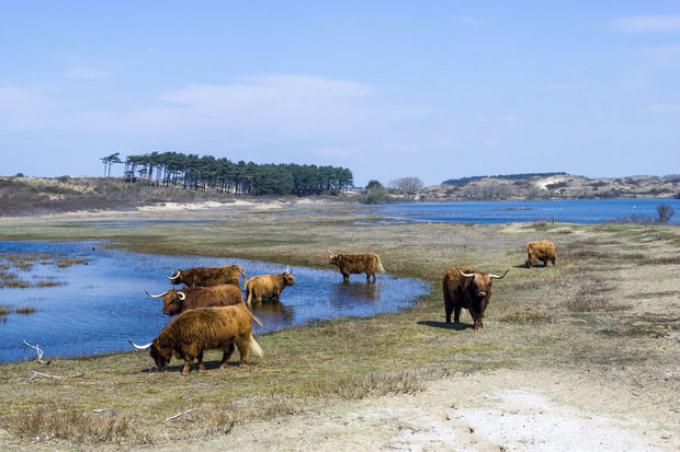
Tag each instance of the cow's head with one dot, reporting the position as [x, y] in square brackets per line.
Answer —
[176, 278]
[288, 278]
[333, 258]
[172, 301]
[160, 355]
[478, 287]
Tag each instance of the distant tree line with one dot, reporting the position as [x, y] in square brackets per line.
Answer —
[205, 173]
[467, 180]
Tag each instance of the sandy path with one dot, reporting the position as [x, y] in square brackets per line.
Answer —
[505, 410]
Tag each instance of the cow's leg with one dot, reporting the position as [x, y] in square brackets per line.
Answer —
[368, 277]
[456, 313]
[552, 259]
[345, 276]
[199, 358]
[227, 354]
[448, 308]
[187, 366]
[530, 261]
[243, 344]
[545, 262]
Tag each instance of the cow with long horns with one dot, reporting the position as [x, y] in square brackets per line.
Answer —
[268, 286]
[348, 264]
[193, 332]
[209, 276]
[469, 289]
[177, 301]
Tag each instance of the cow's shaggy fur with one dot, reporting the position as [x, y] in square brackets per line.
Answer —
[210, 276]
[267, 286]
[201, 297]
[191, 333]
[543, 251]
[470, 292]
[348, 264]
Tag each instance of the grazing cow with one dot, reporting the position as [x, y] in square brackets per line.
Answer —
[209, 276]
[543, 251]
[268, 286]
[468, 289]
[193, 332]
[177, 301]
[348, 264]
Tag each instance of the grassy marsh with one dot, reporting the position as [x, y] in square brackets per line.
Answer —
[576, 315]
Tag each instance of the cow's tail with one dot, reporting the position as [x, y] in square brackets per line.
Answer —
[255, 347]
[243, 274]
[379, 267]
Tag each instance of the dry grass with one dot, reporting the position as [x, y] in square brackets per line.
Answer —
[50, 422]
[374, 385]
[4, 310]
[12, 281]
[68, 262]
[526, 317]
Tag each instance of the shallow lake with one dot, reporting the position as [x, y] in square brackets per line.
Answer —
[103, 304]
[586, 211]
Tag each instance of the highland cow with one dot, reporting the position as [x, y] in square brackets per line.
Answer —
[209, 276]
[268, 286]
[469, 289]
[177, 301]
[357, 263]
[193, 332]
[543, 251]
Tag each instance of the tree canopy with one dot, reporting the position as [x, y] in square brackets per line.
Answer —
[190, 171]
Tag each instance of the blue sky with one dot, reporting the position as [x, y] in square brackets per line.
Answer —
[389, 89]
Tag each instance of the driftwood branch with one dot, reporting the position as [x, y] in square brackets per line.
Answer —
[39, 353]
[42, 374]
[180, 414]
[37, 374]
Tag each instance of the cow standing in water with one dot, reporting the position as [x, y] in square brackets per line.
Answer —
[209, 276]
[349, 264]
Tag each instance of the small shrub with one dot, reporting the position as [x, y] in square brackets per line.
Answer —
[49, 283]
[376, 385]
[664, 213]
[4, 310]
[26, 310]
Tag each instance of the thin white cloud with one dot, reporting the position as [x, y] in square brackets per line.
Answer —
[85, 73]
[665, 108]
[648, 23]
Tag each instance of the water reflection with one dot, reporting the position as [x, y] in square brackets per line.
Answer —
[351, 291]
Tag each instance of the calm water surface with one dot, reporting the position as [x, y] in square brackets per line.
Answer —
[103, 304]
[586, 211]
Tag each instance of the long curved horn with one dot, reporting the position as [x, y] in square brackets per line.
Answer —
[156, 295]
[499, 277]
[329, 251]
[287, 269]
[175, 275]
[140, 347]
[181, 296]
[467, 275]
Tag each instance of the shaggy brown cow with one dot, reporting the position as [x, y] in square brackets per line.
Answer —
[468, 289]
[356, 263]
[543, 251]
[268, 286]
[193, 332]
[209, 276]
[176, 301]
